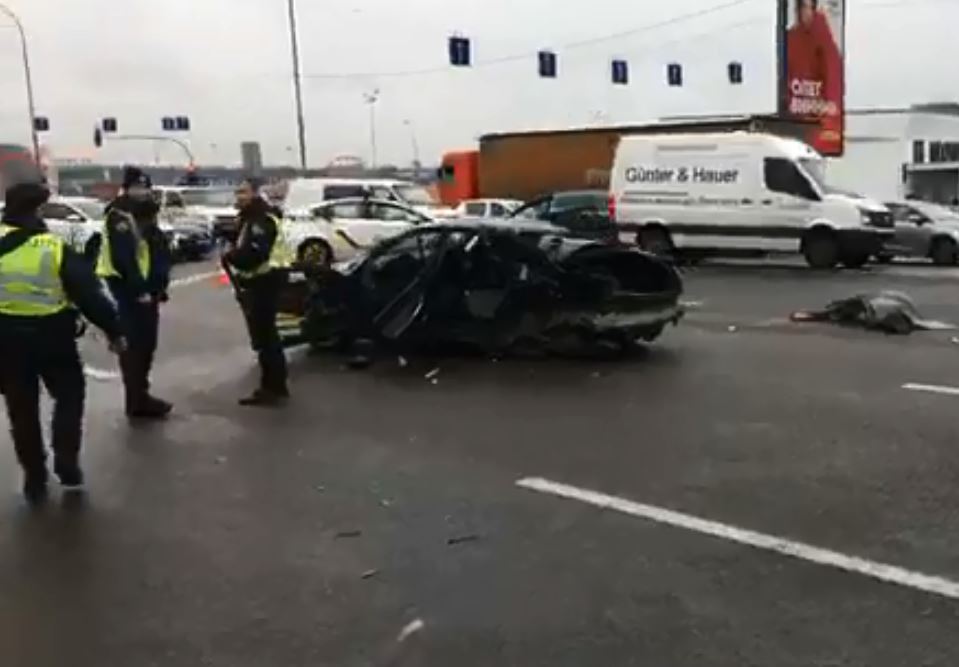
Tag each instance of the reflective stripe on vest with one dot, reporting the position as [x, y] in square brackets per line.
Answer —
[30, 277]
[281, 256]
[105, 268]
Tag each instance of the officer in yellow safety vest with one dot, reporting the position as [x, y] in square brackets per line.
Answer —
[259, 264]
[43, 285]
[135, 263]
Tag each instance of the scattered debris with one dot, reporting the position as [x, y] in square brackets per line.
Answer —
[955, 341]
[432, 374]
[462, 540]
[349, 533]
[410, 629]
[732, 328]
[220, 460]
[369, 574]
[403, 363]
[320, 488]
[888, 312]
[385, 503]
[434, 381]
[596, 374]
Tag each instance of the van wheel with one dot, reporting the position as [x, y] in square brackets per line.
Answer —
[656, 240]
[315, 254]
[944, 252]
[821, 249]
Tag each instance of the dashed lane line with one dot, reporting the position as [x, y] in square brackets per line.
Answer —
[932, 388]
[880, 571]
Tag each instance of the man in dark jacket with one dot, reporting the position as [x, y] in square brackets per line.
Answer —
[258, 265]
[135, 262]
[43, 283]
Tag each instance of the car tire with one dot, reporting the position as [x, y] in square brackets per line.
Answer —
[884, 258]
[944, 252]
[820, 247]
[656, 241]
[315, 253]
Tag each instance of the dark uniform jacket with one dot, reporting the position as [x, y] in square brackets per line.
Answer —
[82, 288]
[131, 285]
[257, 234]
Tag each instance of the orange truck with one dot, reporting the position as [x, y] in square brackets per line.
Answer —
[525, 165]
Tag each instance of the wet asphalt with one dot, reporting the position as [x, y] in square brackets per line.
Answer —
[380, 500]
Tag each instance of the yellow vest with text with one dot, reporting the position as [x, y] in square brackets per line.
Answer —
[30, 283]
[105, 268]
[281, 257]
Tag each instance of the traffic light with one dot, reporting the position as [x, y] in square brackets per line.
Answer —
[547, 64]
[109, 125]
[459, 51]
[735, 70]
[182, 124]
[41, 124]
[168, 123]
[97, 137]
[674, 74]
[620, 72]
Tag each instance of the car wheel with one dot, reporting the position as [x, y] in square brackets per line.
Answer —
[884, 258]
[821, 249]
[315, 253]
[944, 252]
[656, 240]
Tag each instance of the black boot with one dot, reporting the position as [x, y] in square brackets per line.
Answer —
[148, 408]
[35, 487]
[265, 398]
[71, 476]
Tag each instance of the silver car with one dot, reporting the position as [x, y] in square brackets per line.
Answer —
[924, 230]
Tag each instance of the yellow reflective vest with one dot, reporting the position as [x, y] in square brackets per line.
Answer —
[105, 268]
[30, 283]
[281, 257]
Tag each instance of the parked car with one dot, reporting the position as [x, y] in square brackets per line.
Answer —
[490, 285]
[923, 230]
[583, 213]
[77, 220]
[337, 230]
[740, 193]
[214, 206]
[305, 193]
[487, 208]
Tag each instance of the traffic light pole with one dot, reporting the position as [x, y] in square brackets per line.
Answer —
[297, 84]
[29, 81]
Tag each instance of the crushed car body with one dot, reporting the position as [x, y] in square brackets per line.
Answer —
[492, 286]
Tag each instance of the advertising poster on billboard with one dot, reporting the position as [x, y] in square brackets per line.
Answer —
[812, 68]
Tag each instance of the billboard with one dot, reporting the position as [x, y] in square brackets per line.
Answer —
[812, 69]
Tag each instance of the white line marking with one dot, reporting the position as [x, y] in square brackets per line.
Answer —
[195, 278]
[887, 573]
[100, 374]
[932, 388]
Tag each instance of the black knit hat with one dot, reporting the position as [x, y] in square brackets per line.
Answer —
[135, 176]
[25, 198]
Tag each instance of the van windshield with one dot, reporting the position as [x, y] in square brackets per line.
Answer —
[816, 170]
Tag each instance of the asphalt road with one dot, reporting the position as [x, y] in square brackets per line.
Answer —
[380, 501]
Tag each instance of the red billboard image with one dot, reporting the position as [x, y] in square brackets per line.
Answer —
[812, 70]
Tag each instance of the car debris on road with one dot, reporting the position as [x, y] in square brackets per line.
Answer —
[887, 311]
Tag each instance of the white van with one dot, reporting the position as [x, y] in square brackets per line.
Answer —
[304, 194]
[738, 193]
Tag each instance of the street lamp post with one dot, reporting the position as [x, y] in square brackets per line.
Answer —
[416, 147]
[29, 80]
[297, 83]
[371, 99]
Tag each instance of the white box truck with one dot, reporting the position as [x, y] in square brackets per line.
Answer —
[739, 193]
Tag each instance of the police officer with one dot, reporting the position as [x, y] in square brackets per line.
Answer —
[135, 262]
[258, 264]
[43, 283]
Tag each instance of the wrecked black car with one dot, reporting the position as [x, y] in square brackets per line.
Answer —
[491, 286]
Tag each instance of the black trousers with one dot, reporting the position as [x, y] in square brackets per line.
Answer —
[259, 300]
[141, 324]
[23, 366]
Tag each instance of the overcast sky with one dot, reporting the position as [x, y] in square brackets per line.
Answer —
[227, 65]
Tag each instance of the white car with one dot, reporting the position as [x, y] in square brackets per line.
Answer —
[305, 193]
[340, 229]
[487, 208]
[74, 219]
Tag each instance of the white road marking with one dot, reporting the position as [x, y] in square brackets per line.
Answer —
[195, 278]
[932, 388]
[100, 374]
[887, 573]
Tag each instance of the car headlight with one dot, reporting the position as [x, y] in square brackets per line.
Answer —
[864, 216]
